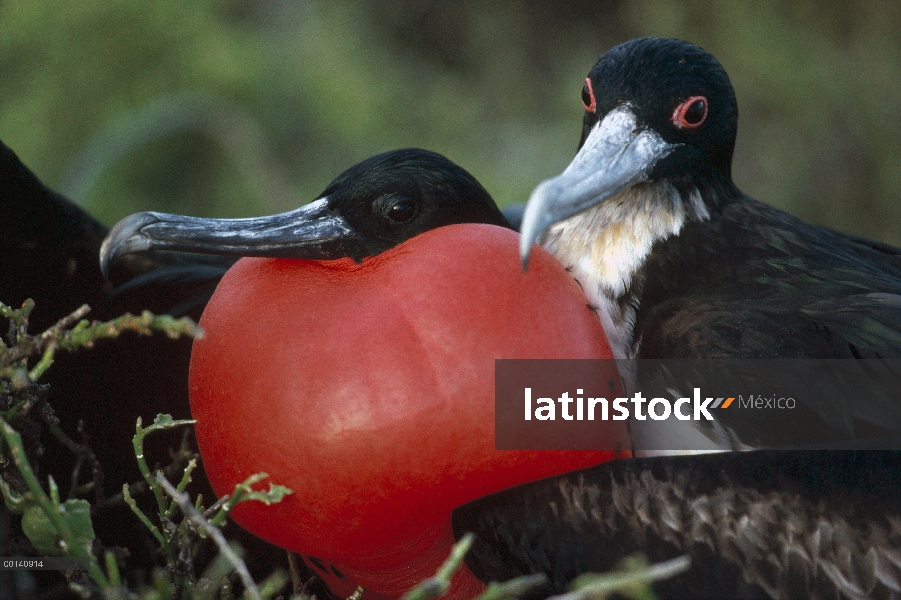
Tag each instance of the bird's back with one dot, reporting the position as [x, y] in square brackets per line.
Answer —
[756, 282]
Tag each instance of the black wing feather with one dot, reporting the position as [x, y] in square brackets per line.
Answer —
[803, 524]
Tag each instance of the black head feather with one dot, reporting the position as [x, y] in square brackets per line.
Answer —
[654, 76]
[394, 196]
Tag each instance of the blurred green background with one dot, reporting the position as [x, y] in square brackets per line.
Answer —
[246, 107]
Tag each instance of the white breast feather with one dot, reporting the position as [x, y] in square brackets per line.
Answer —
[604, 246]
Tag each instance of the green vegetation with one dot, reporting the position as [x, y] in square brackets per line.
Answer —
[242, 107]
[56, 528]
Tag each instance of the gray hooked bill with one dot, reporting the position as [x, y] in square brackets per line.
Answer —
[617, 154]
[314, 232]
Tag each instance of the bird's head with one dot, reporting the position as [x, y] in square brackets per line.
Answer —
[655, 109]
[369, 208]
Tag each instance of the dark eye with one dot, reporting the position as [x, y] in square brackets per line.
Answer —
[588, 100]
[399, 209]
[691, 113]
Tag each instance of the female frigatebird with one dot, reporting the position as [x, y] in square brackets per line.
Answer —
[680, 263]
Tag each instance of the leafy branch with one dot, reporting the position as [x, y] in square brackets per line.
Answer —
[55, 529]
[13, 359]
[65, 529]
[201, 526]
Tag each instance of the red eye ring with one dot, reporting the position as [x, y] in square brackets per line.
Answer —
[588, 100]
[691, 113]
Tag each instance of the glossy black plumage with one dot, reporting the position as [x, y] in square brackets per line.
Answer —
[734, 278]
[434, 191]
[47, 246]
[679, 264]
[755, 282]
[49, 253]
[812, 524]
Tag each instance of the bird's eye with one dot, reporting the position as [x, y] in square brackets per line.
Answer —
[399, 209]
[691, 113]
[588, 100]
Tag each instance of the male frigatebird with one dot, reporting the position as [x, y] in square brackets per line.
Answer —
[50, 254]
[304, 366]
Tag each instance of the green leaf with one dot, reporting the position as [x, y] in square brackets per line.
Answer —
[42, 533]
[163, 421]
[274, 494]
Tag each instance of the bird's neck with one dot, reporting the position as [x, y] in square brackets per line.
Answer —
[605, 247]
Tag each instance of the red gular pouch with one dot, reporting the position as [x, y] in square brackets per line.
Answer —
[368, 389]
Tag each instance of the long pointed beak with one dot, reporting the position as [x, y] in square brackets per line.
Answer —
[313, 231]
[616, 155]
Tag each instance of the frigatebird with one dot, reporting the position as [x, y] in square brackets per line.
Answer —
[679, 264]
[49, 253]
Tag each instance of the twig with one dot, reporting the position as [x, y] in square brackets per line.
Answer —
[82, 450]
[138, 488]
[143, 518]
[161, 422]
[33, 345]
[244, 491]
[439, 584]
[187, 509]
[515, 588]
[82, 335]
[592, 586]
[185, 480]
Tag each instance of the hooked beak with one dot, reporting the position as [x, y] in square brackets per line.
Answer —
[615, 156]
[313, 231]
